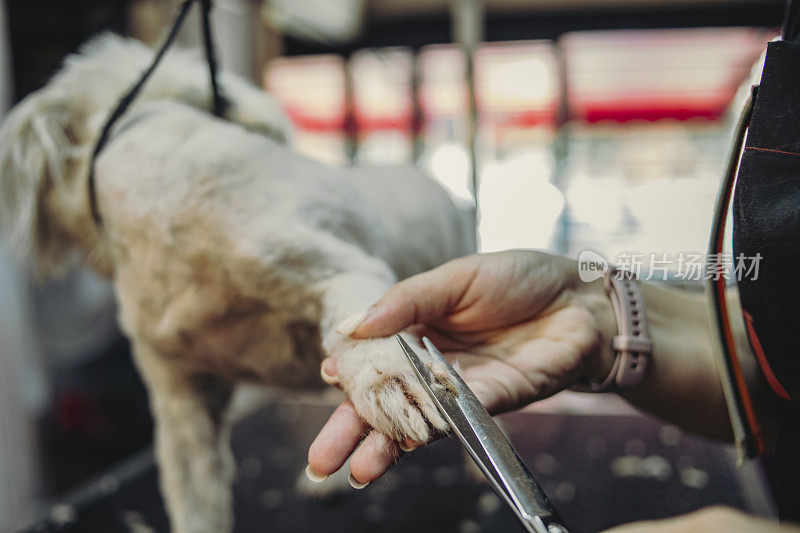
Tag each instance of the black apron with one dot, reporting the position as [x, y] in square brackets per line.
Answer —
[766, 221]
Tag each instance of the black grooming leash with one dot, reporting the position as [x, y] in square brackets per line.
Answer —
[218, 104]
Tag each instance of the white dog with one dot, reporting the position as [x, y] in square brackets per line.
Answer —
[233, 257]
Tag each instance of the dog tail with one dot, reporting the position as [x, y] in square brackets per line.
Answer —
[34, 149]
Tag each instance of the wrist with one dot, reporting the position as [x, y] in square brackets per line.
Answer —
[682, 384]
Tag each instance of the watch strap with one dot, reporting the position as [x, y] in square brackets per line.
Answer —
[632, 344]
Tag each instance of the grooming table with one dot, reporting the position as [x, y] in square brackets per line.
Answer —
[598, 471]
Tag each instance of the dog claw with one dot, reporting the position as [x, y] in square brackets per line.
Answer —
[403, 444]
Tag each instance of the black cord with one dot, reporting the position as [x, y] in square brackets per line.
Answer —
[218, 106]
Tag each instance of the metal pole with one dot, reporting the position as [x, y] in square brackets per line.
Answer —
[561, 146]
[467, 19]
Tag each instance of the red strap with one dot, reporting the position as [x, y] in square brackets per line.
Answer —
[774, 384]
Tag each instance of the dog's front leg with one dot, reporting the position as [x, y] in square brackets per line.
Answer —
[192, 448]
[374, 372]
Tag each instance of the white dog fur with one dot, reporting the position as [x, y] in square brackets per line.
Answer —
[233, 257]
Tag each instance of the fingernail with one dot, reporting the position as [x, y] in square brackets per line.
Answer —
[406, 447]
[355, 483]
[330, 379]
[349, 324]
[313, 476]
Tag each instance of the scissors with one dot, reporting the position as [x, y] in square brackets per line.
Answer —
[487, 444]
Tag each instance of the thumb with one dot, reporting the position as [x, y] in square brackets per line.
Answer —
[418, 299]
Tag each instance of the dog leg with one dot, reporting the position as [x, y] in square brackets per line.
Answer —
[192, 434]
[374, 372]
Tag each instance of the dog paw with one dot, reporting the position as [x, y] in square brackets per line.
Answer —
[386, 391]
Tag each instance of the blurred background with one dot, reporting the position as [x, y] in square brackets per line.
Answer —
[572, 125]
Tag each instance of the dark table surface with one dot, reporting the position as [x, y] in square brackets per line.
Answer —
[599, 471]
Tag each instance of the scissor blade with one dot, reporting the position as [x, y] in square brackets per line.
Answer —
[450, 410]
[423, 372]
[438, 357]
[486, 444]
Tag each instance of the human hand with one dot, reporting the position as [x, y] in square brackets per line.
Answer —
[520, 325]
